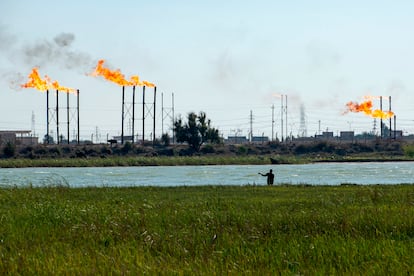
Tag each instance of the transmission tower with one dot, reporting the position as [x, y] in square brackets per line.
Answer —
[33, 124]
[167, 113]
[374, 127]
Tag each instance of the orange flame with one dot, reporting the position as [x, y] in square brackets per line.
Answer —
[366, 108]
[58, 87]
[148, 84]
[117, 77]
[135, 81]
[36, 82]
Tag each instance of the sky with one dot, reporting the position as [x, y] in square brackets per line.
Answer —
[230, 59]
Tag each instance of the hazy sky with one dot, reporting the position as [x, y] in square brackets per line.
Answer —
[225, 58]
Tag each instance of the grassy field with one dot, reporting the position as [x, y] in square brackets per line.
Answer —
[287, 230]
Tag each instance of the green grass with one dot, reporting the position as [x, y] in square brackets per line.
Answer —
[118, 161]
[135, 161]
[285, 230]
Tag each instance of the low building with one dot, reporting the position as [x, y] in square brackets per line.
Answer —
[347, 135]
[236, 140]
[396, 134]
[328, 135]
[18, 137]
[118, 139]
[260, 139]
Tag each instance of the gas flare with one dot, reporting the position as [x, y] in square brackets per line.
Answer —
[117, 77]
[366, 107]
[148, 84]
[57, 86]
[36, 82]
[112, 75]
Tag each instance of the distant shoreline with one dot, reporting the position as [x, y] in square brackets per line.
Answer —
[183, 161]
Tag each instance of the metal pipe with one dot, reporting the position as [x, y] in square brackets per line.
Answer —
[162, 113]
[57, 115]
[381, 126]
[133, 113]
[67, 112]
[47, 116]
[395, 127]
[143, 114]
[389, 99]
[153, 129]
[123, 103]
[78, 114]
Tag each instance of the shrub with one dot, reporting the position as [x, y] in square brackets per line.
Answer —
[409, 150]
[127, 148]
[9, 150]
[80, 154]
[242, 150]
[66, 150]
[208, 149]
[41, 151]
[26, 150]
[301, 149]
[106, 150]
[55, 151]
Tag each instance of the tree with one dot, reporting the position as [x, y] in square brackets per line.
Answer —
[165, 139]
[9, 150]
[48, 141]
[196, 131]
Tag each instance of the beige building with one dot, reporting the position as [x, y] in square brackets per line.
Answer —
[18, 137]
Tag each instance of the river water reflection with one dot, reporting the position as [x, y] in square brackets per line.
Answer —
[315, 174]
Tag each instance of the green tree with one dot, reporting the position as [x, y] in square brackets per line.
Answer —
[196, 131]
[9, 150]
[45, 139]
[165, 139]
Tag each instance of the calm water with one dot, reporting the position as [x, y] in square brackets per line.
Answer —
[316, 174]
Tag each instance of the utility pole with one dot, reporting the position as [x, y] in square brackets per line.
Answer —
[382, 127]
[251, 126]
[273, 121]
[33, 124]
[286, 116]
[389, 98]
[283, 111]
[281, 117]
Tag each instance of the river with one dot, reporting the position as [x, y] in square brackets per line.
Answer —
[315, 174]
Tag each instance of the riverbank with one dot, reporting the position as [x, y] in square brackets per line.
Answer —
[104, 155]
[122, 161]
[134, 161]
[208, 230]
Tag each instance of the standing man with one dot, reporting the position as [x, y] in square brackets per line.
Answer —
[270, 177]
